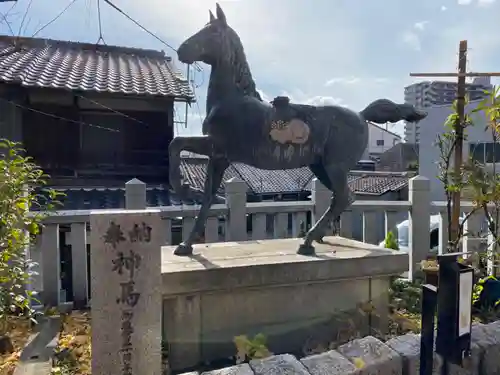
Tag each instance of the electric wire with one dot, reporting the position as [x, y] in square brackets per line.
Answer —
[99, 20]
[24, 17]
[58, 117]
[143, 28]
[112, 110]
[54, 19]
[4, 17]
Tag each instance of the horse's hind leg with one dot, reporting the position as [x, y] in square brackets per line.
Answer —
[215, 172]
[335, 179]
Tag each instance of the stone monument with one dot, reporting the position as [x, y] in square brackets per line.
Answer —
[125, 291]
[241, 127]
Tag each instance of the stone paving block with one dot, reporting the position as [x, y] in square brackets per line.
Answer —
[243, 369]
[328, 363]
[376, 357]
[471, 364]
[283, 364]
[490, 363]
[408, 347]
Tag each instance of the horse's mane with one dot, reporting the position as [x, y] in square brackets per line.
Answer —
[242, 74]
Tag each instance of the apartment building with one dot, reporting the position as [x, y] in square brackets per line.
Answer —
[437, 93]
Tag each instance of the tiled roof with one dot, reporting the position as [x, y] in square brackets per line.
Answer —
[95, 198]
[377, 185]
[66, 65]
[258, 182]
[261, 181]
[194, 171]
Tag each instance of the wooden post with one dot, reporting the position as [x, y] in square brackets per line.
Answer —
[458, 126]
[459, 146]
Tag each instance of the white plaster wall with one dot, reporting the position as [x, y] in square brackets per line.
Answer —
[433, 125]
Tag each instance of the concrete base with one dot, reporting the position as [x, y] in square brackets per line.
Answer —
[234, 288]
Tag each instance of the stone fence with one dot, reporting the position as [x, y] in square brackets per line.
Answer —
[66, 232]
[370, 356]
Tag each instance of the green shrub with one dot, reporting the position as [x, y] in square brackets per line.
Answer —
[248, 349]
[390, 241]
[20, 179]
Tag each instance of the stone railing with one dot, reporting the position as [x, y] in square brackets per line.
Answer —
[397, 356]
[66, 232]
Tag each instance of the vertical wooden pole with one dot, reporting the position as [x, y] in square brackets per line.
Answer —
[186, 110]
[459, 131]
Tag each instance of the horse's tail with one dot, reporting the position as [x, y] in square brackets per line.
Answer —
[383, 110]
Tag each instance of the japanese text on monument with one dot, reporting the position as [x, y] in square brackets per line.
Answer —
[126, 264]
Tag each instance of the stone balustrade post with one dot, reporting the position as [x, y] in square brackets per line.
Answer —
[320, 196]
[236, 199]
[135, 195]
[419, 222]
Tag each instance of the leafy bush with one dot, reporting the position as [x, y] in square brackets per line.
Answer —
[248, 349]
[20, 180]
[390, 241]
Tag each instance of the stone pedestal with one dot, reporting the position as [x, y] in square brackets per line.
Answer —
[298, 302]
[125, 293]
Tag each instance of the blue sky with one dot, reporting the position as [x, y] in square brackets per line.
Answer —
[349, 52]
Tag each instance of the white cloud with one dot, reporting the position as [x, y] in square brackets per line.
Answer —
[264, 96]
[485, 2]
[482, 3]
[443, 8]
[354, 80]
[342, 81]
[420, 25]
[325, 100]
[413, 40]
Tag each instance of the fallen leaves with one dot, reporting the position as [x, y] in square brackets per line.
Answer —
[19, 333]
[74, 346]
[358, 362]
[402, 322]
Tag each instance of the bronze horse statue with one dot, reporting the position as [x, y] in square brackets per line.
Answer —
[241, 127]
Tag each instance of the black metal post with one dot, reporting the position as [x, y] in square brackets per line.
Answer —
[447, 309]
[429, 304]
[454, 294]
[444, 366]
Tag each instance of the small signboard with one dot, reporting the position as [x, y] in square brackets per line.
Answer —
[466, 281]
[454, 309]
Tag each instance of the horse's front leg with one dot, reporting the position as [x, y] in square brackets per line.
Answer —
[198, 145]
[215, 172]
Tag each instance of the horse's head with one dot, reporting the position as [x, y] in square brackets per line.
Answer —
[211, 44]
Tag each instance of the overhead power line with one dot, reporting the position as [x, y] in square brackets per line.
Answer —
[99, 20]
[137, 23]
[24, 17]
[55, 18]
[57, 117]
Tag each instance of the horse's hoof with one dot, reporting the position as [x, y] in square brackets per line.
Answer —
[305, 249]
[183, 250]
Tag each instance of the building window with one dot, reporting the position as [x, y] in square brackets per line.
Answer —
[380, 142]
[485, 152]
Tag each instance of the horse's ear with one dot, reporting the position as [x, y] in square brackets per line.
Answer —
[220, 13]
[212, 17]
